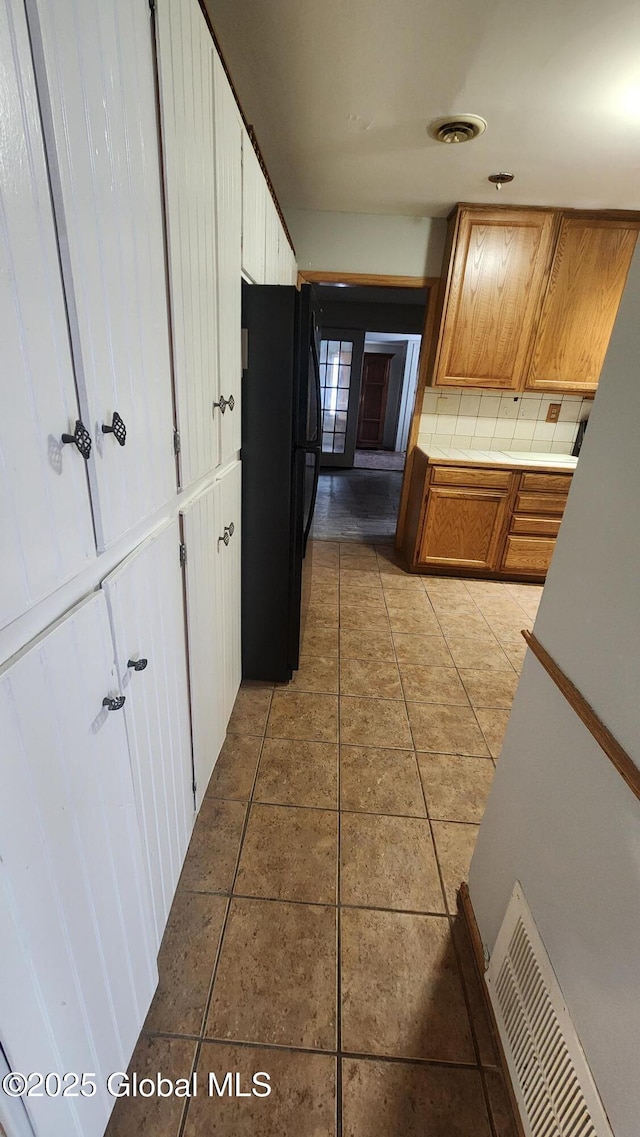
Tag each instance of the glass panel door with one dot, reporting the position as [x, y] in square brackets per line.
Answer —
[340, 376]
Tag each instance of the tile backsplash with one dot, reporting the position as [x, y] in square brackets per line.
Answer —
[493, 420]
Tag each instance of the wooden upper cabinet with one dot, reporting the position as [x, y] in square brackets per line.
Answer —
[588, 273]
[496, 279]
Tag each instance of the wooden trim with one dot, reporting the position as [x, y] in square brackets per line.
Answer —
[625, 765]
[248, 127]
[373, 280]
[426, 348]
[466, 908]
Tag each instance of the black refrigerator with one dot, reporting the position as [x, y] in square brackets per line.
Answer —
[281, 441]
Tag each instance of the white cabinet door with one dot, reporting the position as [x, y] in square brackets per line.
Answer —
[94, 66]
[228, 159]
[78, 960]
[272, 243]
[200, 532]
[254, 212]
[146, 607]
[230, 509]
[185, 67]
[45, 514]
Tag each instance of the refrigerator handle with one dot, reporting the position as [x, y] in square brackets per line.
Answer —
[315, 451]
[316, 369]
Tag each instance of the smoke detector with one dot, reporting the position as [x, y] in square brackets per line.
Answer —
[458, 128]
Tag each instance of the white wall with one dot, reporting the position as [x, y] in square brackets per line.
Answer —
[367, 242]
[560, 818]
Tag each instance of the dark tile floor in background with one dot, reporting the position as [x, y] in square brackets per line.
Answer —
[357, 504]
[315, 934]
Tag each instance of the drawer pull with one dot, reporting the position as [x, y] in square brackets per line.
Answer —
[117, 429]
[114, 703]
[81, 439]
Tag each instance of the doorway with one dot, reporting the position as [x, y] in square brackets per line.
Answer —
[369, 352]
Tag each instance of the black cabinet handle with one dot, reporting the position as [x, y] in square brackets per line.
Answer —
[80, 438]
[117, 428]
[224, 403]
[114, 704]
[229, 530]
[137, 664]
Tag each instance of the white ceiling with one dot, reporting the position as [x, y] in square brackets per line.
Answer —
[340, 93]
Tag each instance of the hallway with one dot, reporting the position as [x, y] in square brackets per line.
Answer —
[357, 504]
[315, 934]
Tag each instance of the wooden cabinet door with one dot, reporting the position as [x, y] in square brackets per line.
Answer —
[588, 275]
[499, 263]
[78, 946]
[146, 608]
[228, 167]
[97, 90]
[463, 528]
[200, 519]
[185, 68]
[45, 512]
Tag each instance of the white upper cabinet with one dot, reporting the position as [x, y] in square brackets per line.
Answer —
[186, 75]
[254, 212]
[78, 960]
[272, 244]
[96, 85]
[146, 607]
[228, 164]
[45, 513]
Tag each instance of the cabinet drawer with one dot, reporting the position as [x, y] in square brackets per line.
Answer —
[548, 503]
[471, 476]
[546, 483]
[535, 526]
[528, 554]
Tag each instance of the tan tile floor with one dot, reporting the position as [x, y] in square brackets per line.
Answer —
[315, 933]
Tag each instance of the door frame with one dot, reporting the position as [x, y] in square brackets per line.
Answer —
[435, 295]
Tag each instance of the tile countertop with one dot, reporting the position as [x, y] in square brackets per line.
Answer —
[508, 459]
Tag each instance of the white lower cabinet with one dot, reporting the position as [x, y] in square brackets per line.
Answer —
[78, 942]
[145, 601]
[211, 536]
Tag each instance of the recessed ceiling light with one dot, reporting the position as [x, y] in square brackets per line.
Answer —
[457, 128]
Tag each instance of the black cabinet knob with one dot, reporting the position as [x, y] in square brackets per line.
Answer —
[231, 402]
[114, 704]
[137, 664]
[222, 404]
[80, 438]
[229, 530]
[117, 428]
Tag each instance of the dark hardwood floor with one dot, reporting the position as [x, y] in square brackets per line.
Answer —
[357, 504]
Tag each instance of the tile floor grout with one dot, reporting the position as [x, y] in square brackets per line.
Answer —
[450, 598]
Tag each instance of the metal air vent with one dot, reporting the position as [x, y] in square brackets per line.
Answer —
[462, 128]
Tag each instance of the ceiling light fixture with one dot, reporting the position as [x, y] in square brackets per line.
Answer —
[457, 128]
[500, 180]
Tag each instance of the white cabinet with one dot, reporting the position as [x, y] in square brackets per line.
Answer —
[45, 514]
[146, 607]
[272, 244]
[211, 536]
[230, 511]
[254, 213]
[94, 66]
[78, 960]
[186, 76]
[228, 164]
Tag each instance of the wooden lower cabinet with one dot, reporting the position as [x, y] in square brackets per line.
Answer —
[464, 527]
[482, 520]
